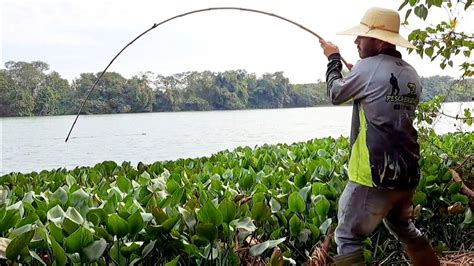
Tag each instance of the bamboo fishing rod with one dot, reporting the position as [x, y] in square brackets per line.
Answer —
[182, 15]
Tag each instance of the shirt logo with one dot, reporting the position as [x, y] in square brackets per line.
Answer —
[404, 101]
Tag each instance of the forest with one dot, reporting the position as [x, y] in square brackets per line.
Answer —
[32, 89]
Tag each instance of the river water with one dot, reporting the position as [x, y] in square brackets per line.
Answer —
[37, 143]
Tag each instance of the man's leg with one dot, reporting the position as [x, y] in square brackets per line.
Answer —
[361, 209]
[399, 223]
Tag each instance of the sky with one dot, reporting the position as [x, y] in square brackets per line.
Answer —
[76, 37]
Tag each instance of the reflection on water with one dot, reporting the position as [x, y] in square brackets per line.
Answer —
[36, 143]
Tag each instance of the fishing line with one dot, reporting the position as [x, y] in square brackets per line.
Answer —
[182, 15]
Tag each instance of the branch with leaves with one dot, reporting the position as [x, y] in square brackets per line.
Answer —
[443, 40]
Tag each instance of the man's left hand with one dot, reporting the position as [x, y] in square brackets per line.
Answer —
[328, 48]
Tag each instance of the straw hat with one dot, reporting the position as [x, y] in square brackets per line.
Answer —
[382, 24]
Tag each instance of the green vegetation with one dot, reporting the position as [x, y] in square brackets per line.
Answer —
[231, 207]
[28, 89]
[443, 39]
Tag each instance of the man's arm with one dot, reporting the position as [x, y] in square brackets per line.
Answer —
[339, 89]
[333, 72]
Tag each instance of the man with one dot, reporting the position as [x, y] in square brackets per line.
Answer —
[383, 166]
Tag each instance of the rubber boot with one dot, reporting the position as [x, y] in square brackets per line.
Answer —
[350, 259]
[421, 253]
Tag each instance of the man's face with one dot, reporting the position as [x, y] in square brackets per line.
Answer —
[367, 46]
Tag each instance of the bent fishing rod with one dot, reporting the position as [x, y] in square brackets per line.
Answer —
[182, 15]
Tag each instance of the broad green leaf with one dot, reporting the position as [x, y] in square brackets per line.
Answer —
[28, 220]
[245, 224]
[296, 203]
[322, 206]
[170, 223]
[258, 196]
[123, 183]
[207, 231]
[172, 186]
[460, 198]
[56, 214]
[60, 194]
[247, 181]
[228, 210]
[429, 51]
[258, 249]
[159, 214]
[70, 180]
[135, 223]
[176, 197]
[314, 231]
[20, 230]
[56, 232]
[300, 181]
[97, 216]
[18, 243]
[102, 233]
[260, 212]
[77, 240]
[78, 197]
[74, 215]
[116, 225]
[59, 255]
[95, 250]
[454, 188]
[296, 226]
[209, 214]
[19, 207]
[420, 198]
[69, 226]
[10, 219]
[275, 206]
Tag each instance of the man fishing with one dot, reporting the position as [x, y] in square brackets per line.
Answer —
[383, 165]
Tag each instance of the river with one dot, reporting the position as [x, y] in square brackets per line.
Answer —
[37, 143]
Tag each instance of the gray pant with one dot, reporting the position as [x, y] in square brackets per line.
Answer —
[362, 208]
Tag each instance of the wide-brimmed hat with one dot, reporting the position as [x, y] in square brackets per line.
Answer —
[382, 24]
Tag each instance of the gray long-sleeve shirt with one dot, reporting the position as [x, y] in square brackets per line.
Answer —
[385, 90]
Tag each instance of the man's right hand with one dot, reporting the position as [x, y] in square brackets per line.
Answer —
[328, 48]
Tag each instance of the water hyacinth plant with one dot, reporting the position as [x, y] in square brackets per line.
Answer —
[231, 208]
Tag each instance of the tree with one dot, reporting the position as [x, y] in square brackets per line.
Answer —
[27, 79]
[435, 85]
[53, 96]
[443, 40]
[107, 97]
[271, 91]
[7, 99]
[138, 94]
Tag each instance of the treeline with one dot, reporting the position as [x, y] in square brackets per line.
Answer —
[28, 89]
